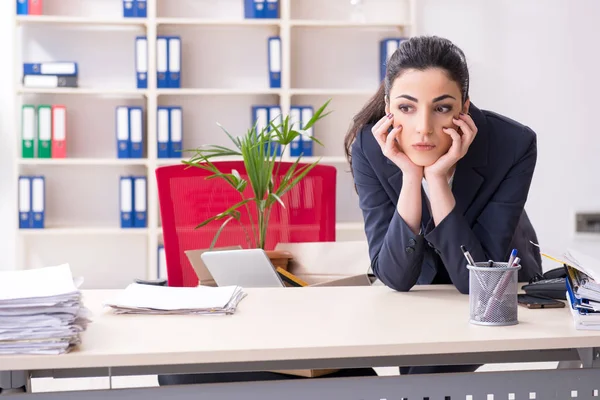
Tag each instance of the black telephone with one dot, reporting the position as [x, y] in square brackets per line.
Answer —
[551, 284]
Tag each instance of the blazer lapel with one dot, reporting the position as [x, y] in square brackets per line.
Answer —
[467, 180]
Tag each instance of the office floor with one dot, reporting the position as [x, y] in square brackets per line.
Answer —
[52, 385]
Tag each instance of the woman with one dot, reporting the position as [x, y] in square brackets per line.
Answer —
[433, 172]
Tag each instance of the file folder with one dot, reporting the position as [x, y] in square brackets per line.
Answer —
[49, 81]
[272, 9]
[163, 128]
[25, 217]
[126, 201]
[175, 132]
[162, 58]
[66, 68]
[27, 131]
[22, 7]
[387, 47]
[35, 7]
[128, 9]
[307, 143]
[38, 194]
[141, 61]
[161, 271]
[174, 68]
[122, 127]
[59, 131]
[140, 8]
[254, 8]
[275, 62]
[136, 132]
[296, 123]
[140, 202]
[44, 145]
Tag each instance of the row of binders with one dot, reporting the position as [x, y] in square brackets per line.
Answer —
[133, 202]
[168, 62]
[44, 131]
[135, 9]
[299, 117]
[130, 131]
[30, 7]
[261, 9]
[32, 203]
[50, 74]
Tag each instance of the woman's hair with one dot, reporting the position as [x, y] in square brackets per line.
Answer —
[420, 53]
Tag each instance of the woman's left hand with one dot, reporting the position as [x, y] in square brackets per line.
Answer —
[458, 149]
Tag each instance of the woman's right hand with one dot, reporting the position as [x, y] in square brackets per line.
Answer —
[390, 147]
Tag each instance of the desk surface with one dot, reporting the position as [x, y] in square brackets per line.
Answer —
[308, 323]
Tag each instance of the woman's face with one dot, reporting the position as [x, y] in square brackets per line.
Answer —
[424, 102]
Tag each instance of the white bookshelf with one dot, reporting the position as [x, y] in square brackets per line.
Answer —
[326, 54]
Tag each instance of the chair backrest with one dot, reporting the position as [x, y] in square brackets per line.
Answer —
[187, 198]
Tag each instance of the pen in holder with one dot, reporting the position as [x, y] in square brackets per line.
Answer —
[493, 293]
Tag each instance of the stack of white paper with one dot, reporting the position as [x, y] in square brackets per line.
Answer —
[149, 299]
[41, 311]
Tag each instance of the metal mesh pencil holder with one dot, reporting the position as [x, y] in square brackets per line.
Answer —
[493, 293]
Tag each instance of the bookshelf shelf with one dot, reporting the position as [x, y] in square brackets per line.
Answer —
[83, 91]
[75, 231]
[217, 22]
[84, 21]
[82, 161]
[224, 72]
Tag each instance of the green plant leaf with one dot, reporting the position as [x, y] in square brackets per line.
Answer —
[272, 198]
[231, 211]
[317, 115]
[214, 241]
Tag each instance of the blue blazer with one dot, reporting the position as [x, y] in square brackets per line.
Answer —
[490, 186]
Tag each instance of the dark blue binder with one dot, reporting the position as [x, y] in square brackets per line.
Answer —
[38, 201]
[136, 132]
[122, 129]
[22, 7]
[128, 9]
[59, 68]
[140, 8]
[25, 213]
[163, 131]
[126, 201]
[174, 65]
[141, 61]
[162, 62]
[272, 9]
[140, 202]
[175, 132]
[274, 61]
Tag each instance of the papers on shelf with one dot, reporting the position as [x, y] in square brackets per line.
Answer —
[41, 311]
[149, 299]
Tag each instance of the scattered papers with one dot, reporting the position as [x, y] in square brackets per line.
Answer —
[149, 299]
[41, 311]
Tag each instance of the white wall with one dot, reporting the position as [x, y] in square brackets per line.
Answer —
[537, 62]
[534, 61]
[8, 222]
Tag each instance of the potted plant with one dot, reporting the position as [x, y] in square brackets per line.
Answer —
[257, 150]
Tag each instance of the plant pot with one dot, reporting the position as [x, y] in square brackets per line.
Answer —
[279, 258]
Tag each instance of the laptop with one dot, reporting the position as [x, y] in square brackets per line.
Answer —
[248, 268]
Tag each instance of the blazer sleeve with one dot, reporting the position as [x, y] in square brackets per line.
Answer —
[396, 253]
[491, 235]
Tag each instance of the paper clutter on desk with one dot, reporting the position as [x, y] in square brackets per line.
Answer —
[148, 299]
[41, 311]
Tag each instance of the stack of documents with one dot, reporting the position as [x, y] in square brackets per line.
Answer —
[583, 289]
[150, 299]
[41, 311]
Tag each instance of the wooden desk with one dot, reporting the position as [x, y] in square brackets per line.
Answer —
[319, 327]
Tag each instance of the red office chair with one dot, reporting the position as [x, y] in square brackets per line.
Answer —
[187, 198]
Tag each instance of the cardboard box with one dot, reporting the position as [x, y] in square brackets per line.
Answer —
[317, 263]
